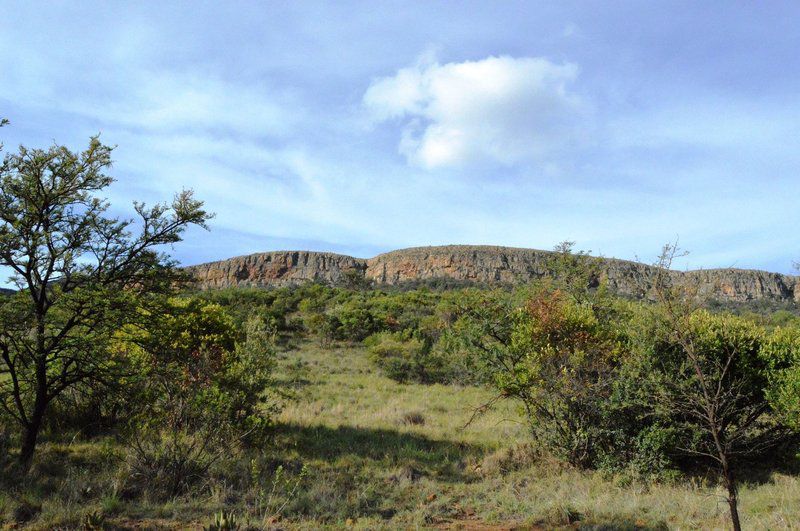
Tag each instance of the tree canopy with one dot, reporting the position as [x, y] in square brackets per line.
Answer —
[81, 274]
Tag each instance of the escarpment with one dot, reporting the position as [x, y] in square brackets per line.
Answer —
[278, 268]
[480, 264]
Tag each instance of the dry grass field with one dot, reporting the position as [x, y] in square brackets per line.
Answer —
[358, 450]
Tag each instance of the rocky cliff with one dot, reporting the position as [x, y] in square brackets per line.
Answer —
[481, 264]
[279, 268]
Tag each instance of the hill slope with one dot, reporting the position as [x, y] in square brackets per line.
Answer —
[481, 264]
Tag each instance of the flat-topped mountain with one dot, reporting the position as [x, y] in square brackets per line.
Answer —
[479, 264]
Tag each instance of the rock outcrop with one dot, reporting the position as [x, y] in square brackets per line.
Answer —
[279, 268]
[480, 264]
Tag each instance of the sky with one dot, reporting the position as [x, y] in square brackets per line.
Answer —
[362, 127]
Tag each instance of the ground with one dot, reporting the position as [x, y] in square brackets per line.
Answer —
[358, 450]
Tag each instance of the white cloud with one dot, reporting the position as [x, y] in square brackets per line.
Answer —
[502, 109]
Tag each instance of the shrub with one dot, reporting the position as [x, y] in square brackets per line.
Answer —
[181, 431]
[355, 321]
[559, 357]
[199, 397]
[709, 380]
[323, 326]
[563, 362]
[781, 352]
[719, 363]
[404, 357]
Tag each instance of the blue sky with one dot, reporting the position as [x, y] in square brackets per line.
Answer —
[361, 127]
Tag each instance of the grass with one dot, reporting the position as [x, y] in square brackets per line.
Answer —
[358, 450]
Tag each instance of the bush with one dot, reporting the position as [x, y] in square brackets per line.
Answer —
[183, 429]
[355, 321]
[781, 352]
[323, 326]
[200, 396]
[399, 355]
[714, 362]
[558, 356]
[408, 356]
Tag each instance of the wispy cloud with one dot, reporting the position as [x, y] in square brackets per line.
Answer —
[323, 127]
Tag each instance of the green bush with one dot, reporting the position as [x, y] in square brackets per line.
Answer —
[355, 321]
[781, 352]
[402, 357]
[323, 326]
[198, 397]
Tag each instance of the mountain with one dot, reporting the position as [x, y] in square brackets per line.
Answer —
[480, 264]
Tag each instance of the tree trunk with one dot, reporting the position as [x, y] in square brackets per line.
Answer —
[34, 424]
[29, 439]
[733, 501]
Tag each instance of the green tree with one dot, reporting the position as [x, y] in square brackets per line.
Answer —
[557, 352]
[712, 377]
[81, 275]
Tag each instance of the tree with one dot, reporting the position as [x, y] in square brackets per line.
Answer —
[81, 275]
[711, 380]
[557, 354]
[575, 272]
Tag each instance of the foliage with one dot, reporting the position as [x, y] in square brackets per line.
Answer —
[558, 358]
[80, 274]
[556, 348]
[710, 382]
[404, 358]
[781, 353]
[200, 394]
[725, 377]
[575, 272]
[224, 521]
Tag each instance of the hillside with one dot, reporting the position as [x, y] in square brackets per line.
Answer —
[480, 264]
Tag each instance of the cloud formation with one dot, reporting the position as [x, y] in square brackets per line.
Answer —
[500, 109]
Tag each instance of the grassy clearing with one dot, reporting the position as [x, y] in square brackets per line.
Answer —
[359, 450]
[484, 473]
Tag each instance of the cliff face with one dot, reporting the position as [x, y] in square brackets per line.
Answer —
[280, 268]
[484, 264]
[471, 263]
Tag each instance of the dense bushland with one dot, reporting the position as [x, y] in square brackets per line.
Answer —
[649, 389]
